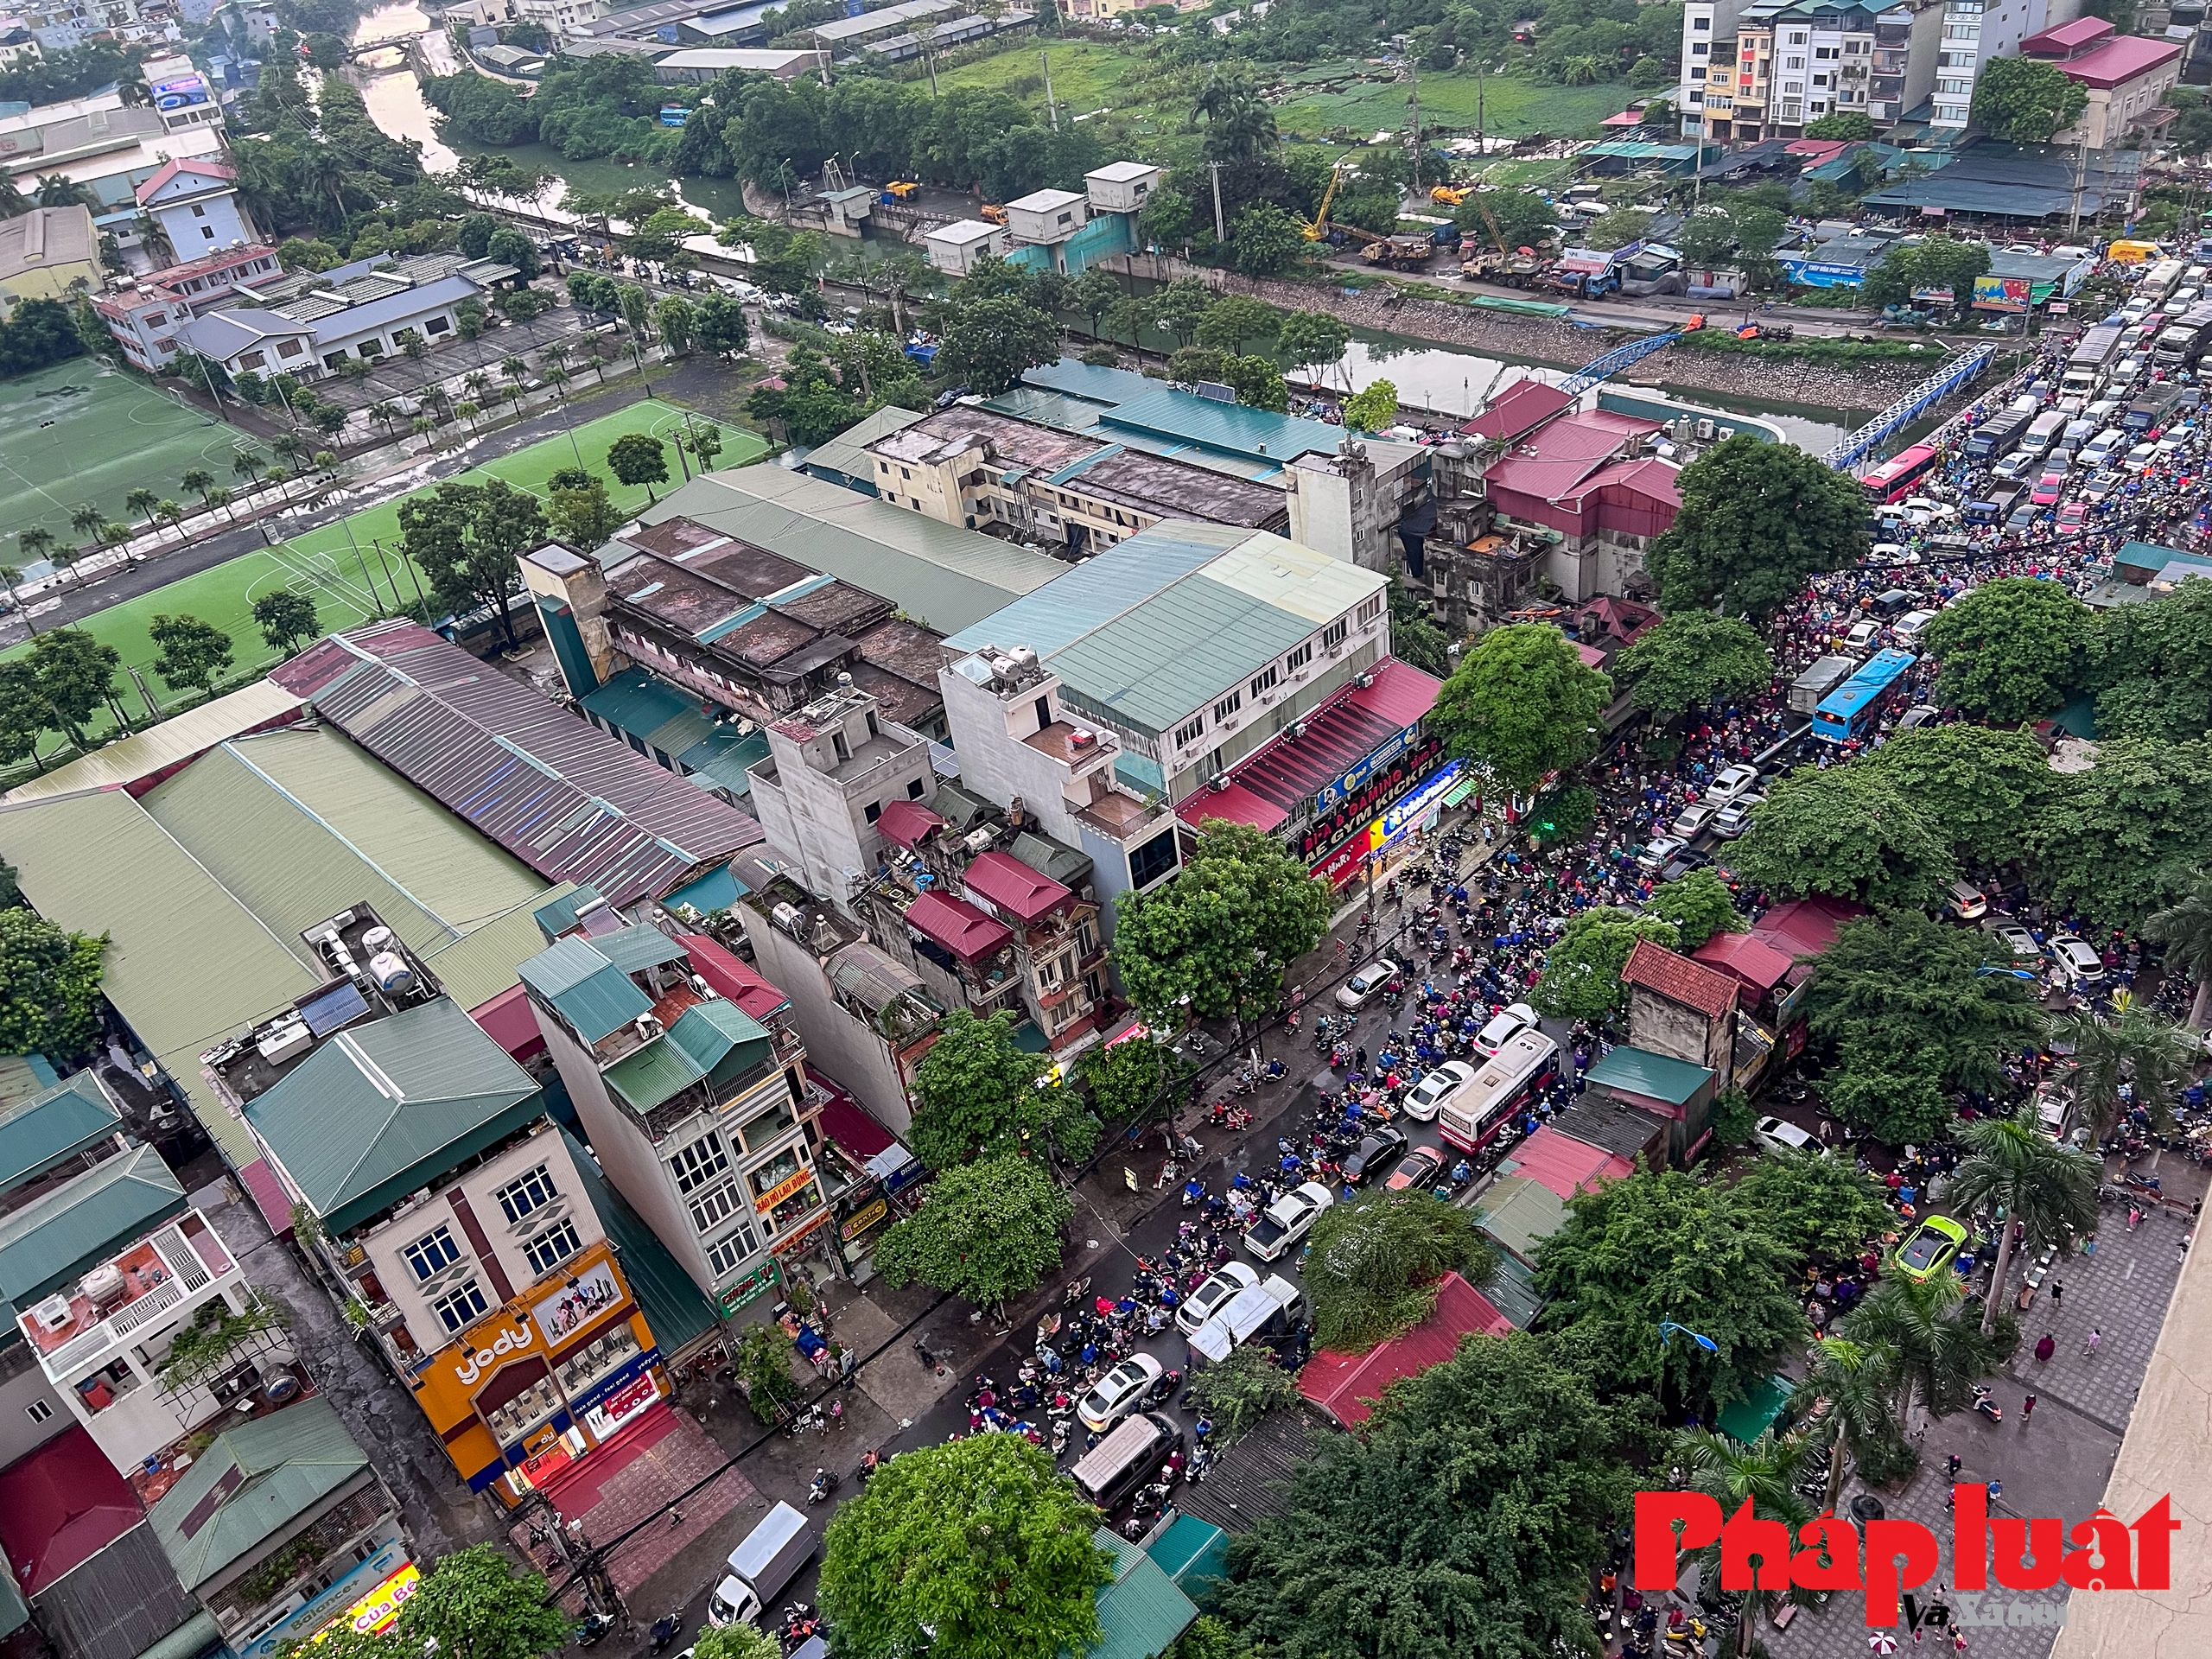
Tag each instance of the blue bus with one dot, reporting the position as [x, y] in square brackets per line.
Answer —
[1854, 707]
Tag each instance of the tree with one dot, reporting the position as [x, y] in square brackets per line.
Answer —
[1659, 1246]
[1616, 227]
[1216, 940]
[1849, 126]
[1180, 307]
[2135, 1046]
[142, 500]
[1938, 264]
[1311, 339]
[1940, 1348]
[1694, 657]
[1582, 972]
[1243, 1388]
[510, 247]
[1901, 1002]
[1522, 705]
[1976, 788]
[1094, 294]
[2117, 842]
[1414, 638]
[49, 985]
[736, 1642]
[1122, 1079]
[1848, 833]
[2184, 927]
[1757, 520]
[986, 1231]
[720, 325]
[677, 319]
[582, 515]
[1700, 906]
[24, 714]
[975, 1549]
[1257, 382]
[1523, 220]
[465, 538]
[1236, 318]
[1374, 409]
[989, 344]
[1265, 241]
[975, 1092]
[2011, 650]
[2020, 1175]
[474, 1605]
[76, 675]
[1482, 1499]
[1818, 1208]
[1847, 1401]
[286, 618]
[1374, 1265]
[194, 654]
[1763, 1474]
[639, 458]
[762, 1362]
[2026, 101]
[2151, 666]
[200, 480]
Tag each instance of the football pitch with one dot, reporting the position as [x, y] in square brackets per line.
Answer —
[354, 569]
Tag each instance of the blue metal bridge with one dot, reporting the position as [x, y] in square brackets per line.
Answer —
[1955, 373]
[1613, 362]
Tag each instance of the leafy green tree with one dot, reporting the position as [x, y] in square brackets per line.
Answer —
[1694, 657]
[1180, 307]
[1257, 382]
[1815, 1206]
[2019, 1174]
[1373, 408]
[1232, 320]
[474, 1605]
[24, 714]
[2151, 666]
[1618, 227]
[2184, 927]
[1582, 972]
[977, 1549]
[1847, 832]
[1217, 938]
[2026, 101]
[1414, 638]
[1523, 705]
[285, 619]
[1094, 294]
[1758, 521]
[1523, 220]
[194, 654]
[2011, 650]
[991, 342]
[1901, 1002]
[582, 515]
[49, 986]
[1311, 339]
[720, 324]
[975, 1093]
[1123, 1079]
[1265, 241]
[638, 458]
[1849, 126]
[736, 1642]
[465, 538]
[1700, 906]
[1481, 1499]
[2135, 1044]
[2116, 842]
[1243, 1388]
[762, 1362]
[1940, 1348]
[1763, 1474]
[1854, 1386]
[1659, 1246]
[1976, 788]
[76, 675]
[1375, 1265]
[1939, 262]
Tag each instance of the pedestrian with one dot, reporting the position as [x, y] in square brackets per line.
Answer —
[2027, 1408]
[2057, 1293]
[2046, 1346]
[2185, 1237]
[849, 1365]
[2096, 1341]
[1951, 1464]
[1996, 1490]
[1881, 1642]
[2134, 1216]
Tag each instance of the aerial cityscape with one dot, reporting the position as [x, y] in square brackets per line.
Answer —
[1239, 829]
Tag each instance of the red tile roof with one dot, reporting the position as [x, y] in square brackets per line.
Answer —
[1517, 409]
[910, 823]
[959, 926]
[1346, 1386]
[1003, 880]
[1568, 1166]
[61, 1506]
[1757, 963]
[1678, 979]
[731, 978]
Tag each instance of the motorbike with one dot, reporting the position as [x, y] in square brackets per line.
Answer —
[1986, 1405]
[1194, 1192]
[594, 1627]
[664, 1630]
[825, 1482]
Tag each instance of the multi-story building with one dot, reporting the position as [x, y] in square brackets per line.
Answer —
[699, 1113]
[98, 144]
[182, 95]
[440, 1200]
[195, 204]
[834, 767]
[1908, 48]
[2127, 78]
[144, 317]
[1975, 33]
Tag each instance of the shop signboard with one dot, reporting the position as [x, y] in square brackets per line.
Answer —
[746, 1290]
[782, 1190]
[622, 1406]
[2012, 294]
[583, 1297]
[377, 1612]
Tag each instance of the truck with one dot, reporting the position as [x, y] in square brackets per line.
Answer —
[1589, 273]
[1818, 680]
[2095, 353]
[2181, 341]
[760, 1567]
[1996, 435]
[1404, 252]
[1267, 1309]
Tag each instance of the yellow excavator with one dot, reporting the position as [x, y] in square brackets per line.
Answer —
[1446, 195]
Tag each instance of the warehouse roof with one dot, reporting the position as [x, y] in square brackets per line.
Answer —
[255, 1481]
[1183, 420]
[2021, 183]
[867, 22]
[382, 1108]
[138, 759]
[67, 1228]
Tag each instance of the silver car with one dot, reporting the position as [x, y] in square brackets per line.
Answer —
[1223, 1283]
[1732, 820]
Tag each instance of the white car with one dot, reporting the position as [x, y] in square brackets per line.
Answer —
[1861, 636]
[1658, 853]
[1732, 820]
[1119, 1392]
[1504, 1026]
[2140, 459]
[2017, 940]
[1919, 716]
[1780, 1134]
[1286, 1221]
[2078, 962]
[1438, 1086]
[1223, 1283]
[1910, 625]
[1352, 996]
[1691, 821]
[1733, 785]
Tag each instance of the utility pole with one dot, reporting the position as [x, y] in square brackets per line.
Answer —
[2081, 177]
[1481, 149]
[1220, 232]
[823, 56]
[1052, 104]
[1414, 69]
[925, 37]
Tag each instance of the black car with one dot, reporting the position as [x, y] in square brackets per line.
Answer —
[1376, 1150]
[1684, 861]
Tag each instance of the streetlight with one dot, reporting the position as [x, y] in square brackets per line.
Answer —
[1668, 1331]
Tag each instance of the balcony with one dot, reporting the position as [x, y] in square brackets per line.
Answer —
[130, 1300]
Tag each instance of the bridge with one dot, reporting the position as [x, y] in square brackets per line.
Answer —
[1955, 373]
[362, 48]
[1613, 362]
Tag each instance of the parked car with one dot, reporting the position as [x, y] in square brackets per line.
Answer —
[1965, 902]
[1354, 994]
[1504, 1026]
[1287, 1220]
[1415, 1171]
[2077, 959]
[1219, 1286]
[1120, 1392]
[1732, 820]
[2015, 939]
[1732, 784]
[2101, 486]
[1930, 1248]
[1375, 1149]
[1917, 716]
[1438, 1086]
[1780, 1134]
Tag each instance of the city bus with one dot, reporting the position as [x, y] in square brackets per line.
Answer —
[1894, 478]
[1510, 1079]
[1854, 707]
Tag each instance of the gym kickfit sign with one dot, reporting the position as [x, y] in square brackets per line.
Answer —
[1757, 1553]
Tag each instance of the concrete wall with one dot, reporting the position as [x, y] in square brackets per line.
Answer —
[842, 1044]
[23, 1387]
[1683, 1033]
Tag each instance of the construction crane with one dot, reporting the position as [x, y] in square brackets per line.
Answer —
[1318, 229]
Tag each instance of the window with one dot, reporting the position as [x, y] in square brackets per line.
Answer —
[1299, 659]
[430, 1255]
[914, 790]
[700, 1162]
[457, 1310]
[1265, 681]
[872, 811]
[1794, 63]
[284, 348]
[1701, 24]
[199, 211]
[207, 233]
[39, 1411]
[525, 1193]
[552, 1247]
[710, 1210]
[1187, 735]
[1956, 88]
[1333, 635]
[436, 325]
[1228, 706]
[1369, 610]
[726, 1256]
[1697, 48]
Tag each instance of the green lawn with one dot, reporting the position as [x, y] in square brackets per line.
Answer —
[326, 564]
[1509, 106]
[1088, 77]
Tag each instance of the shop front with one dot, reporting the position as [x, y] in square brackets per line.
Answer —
[366, 1599]
[545, 1381]
[1369, 844]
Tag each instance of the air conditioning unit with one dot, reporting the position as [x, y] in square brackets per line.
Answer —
[52, 1313]
[1705, 430]
[980, 841]
[648, 1027]
[1219, 780]
[1363, 681]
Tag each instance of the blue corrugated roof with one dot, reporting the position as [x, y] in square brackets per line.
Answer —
[1076, 378]
[584, 987]
[632, 948]
[1102, 587]
[1182, 418]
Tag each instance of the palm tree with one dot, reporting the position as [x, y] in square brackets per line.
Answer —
[222, 498]
[86, 519]
[468, 413]
[476, 383]
[144, 500]
[278, 473]
[36, 543]
[2134, 1046]
[422, 426]
[558, 379]
[1941, 1353]
[10, 576]
[517, 371]
[1728, 1471]
[172, 510]
[246, 465]
[325, 462]
[199, 480]
[554, 356]
[387, 414]
[1845, 1402]
[2021, 1174]
[288, 445]
[2184, 927]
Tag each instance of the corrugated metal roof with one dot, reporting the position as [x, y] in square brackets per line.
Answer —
[664, 716]
[1077, 378]
[1296, 579]
[38, 1132]
[648, 1075]
[1141, 1612]
[1101, 587]
[262, 1475]
[846, 453]
[676, 1309]
[1520, 1213]
[1070, 869]
[68, 1228]
[588, 990]
[571, 802]
[1184, 418]
[388, 1106]
[167, 742]
[711, 1032]
[635, 949]
[1658, 1076]
[477, 968]
[122, 1602]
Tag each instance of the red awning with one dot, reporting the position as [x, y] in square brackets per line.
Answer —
[732, 978]
[909, 823]
[959, 926]
[847, 1122]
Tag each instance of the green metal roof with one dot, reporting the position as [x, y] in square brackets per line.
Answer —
[38, 1132]
[1091, 595]
[584, 987]
[1656, 1076]
[15, 1612]
[476, 968]
[383, 1109]
[1746, 1420]
[722, 1037]
[1141, 1612]
[646, 1075]
[723, 758]
[1152, 666]
[1185, 418]
[847, 454]
[557, 914]
[1070, 869]
[67, 1229]
[663, 716]
[1194, 1555]
[263, 1476]
[1511, 1288]
[197, 1635]
[1077, 378]
[679, 1312]
[1520, 1213]
[633, 950]
[2149, 556]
